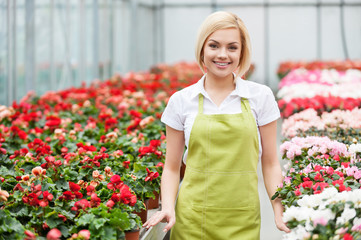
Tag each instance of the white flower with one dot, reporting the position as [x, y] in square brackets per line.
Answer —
[298, 233]
[296, 213]
[347, 214]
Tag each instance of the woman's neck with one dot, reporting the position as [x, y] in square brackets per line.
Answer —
[213, 83]
[219, 88]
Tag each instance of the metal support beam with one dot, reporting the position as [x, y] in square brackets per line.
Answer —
[82, 63]
[319, 30]
[133, 35]
[266, 20]
[95, 39]
[52, 46]
[112, 27]
[30, 64]
[11, 48]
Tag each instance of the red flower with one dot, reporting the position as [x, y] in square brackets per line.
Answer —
[73, 193]
[318, 168]
[81, 204]
[319, 177]
[307, 184]
[62, 217]
[319, 187]
[155, 143]
[115, 182]
[2, 150]
[347, 236]
[135, 114]
[151, 175]
[29, 235]
[53, 121]
[160, 164]
[297, 192]
[110, 203]
[90, 189]
[329, 170]
[94, 200]
[115, 197]
[126, 164]
[345, 164]
[74, 187]
[127, 197]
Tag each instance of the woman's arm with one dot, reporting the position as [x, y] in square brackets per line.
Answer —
[272, 170]
[170, 179]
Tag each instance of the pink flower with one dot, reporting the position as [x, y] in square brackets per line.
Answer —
[29, 235]
[84, 234]
[320, 221]
[357, 174]
[351, 171]
[3, 195]
[53, 234]
[110, 203]
[38, 171]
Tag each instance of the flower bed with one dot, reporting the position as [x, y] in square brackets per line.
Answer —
[341, 125]
[287, 66]
[322, 178]
[80, 163]
[322, 90]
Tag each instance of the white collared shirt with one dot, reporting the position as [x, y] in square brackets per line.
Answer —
[182, 107]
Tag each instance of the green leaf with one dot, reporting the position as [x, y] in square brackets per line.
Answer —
[98, 223]
[85, 219]
[53, 220]
[335, 177]
[120, 219]
[61, 184]
[64, 230]
[275, 196]
[4, 171]
[70, 174]
[109, 233]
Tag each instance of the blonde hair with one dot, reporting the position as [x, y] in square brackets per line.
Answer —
[223, 20]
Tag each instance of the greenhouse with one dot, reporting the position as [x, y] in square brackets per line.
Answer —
[248, 113]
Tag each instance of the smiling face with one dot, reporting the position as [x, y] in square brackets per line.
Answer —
[221, 52]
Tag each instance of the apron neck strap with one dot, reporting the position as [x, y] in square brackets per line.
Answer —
[200, 103]
[245, 105]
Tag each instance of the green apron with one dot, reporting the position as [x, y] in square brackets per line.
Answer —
[218, 198]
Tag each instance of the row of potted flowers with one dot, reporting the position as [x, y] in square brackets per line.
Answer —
[285, 67]
[319, 89]
[81, 163]
[321, 188]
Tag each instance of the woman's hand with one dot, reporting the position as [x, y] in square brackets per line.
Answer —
[278, 211]
[161, 216]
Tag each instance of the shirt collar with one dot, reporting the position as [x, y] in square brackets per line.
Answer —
[241, 90]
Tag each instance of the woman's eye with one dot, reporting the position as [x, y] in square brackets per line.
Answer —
[233, 48]
[212, 45]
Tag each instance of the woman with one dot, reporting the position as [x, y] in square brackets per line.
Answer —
[227, 125]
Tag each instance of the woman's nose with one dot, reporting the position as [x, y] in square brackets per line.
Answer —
[222, 53]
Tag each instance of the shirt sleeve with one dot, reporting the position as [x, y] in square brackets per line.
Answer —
[269, 110]
[172, 115]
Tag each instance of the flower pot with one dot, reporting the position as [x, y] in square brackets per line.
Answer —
[132, 235]
[154, 203]
[144, 213]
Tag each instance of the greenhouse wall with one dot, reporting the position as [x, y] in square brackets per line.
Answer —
[54, 44]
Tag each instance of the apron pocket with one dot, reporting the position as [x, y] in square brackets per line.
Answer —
[231, 190]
